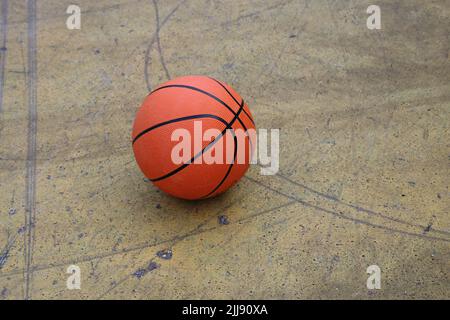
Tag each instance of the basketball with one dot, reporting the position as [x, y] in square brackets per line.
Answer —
[193, 137]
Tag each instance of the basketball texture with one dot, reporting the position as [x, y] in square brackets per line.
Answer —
[182, 103]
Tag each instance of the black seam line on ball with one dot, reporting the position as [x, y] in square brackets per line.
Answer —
[228, 126]
[221, 84]
[196, 116]
[228, 171]
[251, 119]
[218, 100]
[204, 92]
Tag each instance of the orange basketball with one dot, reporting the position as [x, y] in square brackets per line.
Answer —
[193, 137]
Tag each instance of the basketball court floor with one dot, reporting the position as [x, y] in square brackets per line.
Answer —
[364, 151]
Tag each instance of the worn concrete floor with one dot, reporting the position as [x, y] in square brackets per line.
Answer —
[365, 150]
